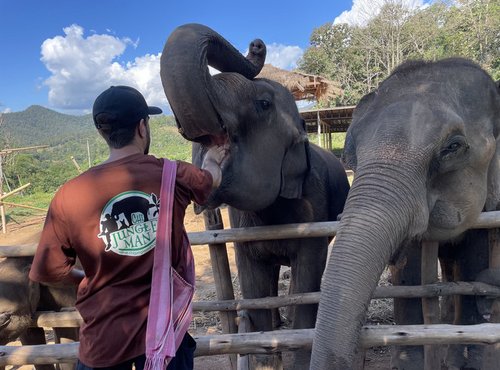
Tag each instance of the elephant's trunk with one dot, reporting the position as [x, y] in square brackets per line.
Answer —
[187, 82]
[380, 213]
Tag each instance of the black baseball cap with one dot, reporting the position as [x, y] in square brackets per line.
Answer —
[121, 105]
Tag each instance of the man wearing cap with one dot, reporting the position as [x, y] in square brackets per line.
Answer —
[107, 217]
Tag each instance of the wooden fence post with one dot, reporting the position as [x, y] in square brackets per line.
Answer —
[222, 275]
[491, 355]
[430, 306]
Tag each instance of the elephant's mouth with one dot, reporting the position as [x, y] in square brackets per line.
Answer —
[223, 142]
[226, 148]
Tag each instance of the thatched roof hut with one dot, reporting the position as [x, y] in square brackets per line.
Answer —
[302, 85]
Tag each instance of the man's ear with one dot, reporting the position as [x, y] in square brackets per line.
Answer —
[142, 129]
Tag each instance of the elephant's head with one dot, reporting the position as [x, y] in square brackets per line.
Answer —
[19, 297]
[257, 119]
[426, 160]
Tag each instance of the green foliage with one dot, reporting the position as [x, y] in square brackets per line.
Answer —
[68, 136]
[166, 141]
[360, 57]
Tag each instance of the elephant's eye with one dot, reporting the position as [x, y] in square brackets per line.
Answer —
[264, 104]
[454, 146]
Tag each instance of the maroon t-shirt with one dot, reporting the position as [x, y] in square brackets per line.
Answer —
[107, 218]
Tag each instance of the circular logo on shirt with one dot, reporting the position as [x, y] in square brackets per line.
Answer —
[128, 223]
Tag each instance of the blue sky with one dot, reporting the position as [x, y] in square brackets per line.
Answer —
[62, 54]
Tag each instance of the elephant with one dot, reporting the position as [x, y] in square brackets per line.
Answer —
[20, 298]
[271, 174]
[130, 207]
[424, 148]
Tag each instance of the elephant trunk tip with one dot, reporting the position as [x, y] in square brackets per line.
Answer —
[257, 53]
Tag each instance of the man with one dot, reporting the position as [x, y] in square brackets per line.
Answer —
[106, 217]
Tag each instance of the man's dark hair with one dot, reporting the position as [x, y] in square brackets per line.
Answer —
[116, 136]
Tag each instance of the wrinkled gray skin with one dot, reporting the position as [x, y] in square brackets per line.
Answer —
[424, 149]
[20, 298]
[271, 174]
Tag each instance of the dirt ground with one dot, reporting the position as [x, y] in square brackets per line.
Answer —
[27, 232]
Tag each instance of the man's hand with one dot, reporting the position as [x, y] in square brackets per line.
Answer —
[212, 163]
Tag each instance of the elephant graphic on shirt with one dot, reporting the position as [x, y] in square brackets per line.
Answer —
[129, 210]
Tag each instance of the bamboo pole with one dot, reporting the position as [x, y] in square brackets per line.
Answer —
[75, 163]
[318, 122]
[6, 195]
[23, 206]
[280, 340]
[2, 216]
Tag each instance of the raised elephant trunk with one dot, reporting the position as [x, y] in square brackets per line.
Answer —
[377, 217]
[188, 83]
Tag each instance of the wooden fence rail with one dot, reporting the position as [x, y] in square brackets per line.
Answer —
[305, 230]
[280, 340]
[72, 318]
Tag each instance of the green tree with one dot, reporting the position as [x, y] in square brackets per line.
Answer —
[359, 57]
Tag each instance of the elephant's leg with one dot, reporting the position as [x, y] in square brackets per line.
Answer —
[407, 311]
[33, 336]
[307, 269]
[472, 256]
[256, 281]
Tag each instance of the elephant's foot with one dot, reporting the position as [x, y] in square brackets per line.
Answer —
[407, 358]
[266, 362]
[465, 357]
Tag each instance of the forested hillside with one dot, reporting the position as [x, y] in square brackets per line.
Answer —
[41, 126]
[68, 136]
[360, 57]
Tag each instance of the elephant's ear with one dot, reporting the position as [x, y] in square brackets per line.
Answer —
[294, 169]
[493, 197]
[349, 152]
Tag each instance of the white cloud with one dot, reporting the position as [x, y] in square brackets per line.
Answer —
[6, 110]
[364, 10]
[82, 67]
[283, 56]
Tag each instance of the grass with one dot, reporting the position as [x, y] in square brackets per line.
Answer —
[19, 215]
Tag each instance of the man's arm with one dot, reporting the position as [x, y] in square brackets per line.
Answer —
[74, 277]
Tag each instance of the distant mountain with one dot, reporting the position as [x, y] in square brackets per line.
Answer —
[70, 139]
[41, 126]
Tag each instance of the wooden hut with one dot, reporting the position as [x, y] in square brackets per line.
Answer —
[303, 86]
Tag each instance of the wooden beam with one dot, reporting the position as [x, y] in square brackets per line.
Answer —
[278, 341]
[73, 318]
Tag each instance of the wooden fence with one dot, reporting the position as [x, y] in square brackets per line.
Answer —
[281, 340]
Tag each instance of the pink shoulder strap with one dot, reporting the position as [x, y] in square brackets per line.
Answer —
[170, 307]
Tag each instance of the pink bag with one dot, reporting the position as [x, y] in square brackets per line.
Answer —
[170, 307]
